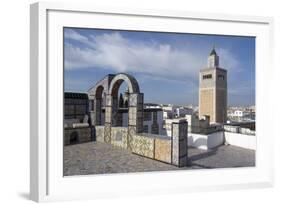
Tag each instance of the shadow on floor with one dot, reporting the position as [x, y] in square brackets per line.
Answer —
[24, 195]
[192, 159]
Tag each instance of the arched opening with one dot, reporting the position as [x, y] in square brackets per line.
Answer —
[99, 105]
[120, 99]
[134, 119]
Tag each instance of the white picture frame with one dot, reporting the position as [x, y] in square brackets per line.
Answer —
[46, 102]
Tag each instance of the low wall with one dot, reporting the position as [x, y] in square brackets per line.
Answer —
[77, 135]
[241, 140]
[163, 150]
[143, 145]
[205, 142]
[99, 133]
[119, 136]
[172, 150]
[154, 147]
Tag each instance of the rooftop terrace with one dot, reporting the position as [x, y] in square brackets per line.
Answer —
[101, 158]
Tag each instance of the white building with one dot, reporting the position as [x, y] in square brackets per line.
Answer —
[240, 115]
[174, 111]
[152, 119]
[196, 125]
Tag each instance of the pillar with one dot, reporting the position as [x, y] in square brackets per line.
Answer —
[135, 113]
[179, 143]
[108, 119]
[97, 111]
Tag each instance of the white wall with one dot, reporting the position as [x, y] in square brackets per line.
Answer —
[205, 142]
[241, 140]
[209, 141]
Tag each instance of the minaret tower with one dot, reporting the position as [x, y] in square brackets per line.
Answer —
[213, 90]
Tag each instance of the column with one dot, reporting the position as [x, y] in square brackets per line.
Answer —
[97, 111]
[179, 143]
[108, 119]
[135, 113]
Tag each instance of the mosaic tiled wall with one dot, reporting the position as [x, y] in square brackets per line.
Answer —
[170, 150]
[163, 150]
[107, 133]
[119, 136]
[99, 133]
[143, 145]
[179, 144]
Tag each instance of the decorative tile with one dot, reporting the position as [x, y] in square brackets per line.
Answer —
[107, 132]
[108, 100]
[143, 146]
[119, 136]
[131, 134]
[163, 150]
[99, 133]
[133, 99]
[108, 114]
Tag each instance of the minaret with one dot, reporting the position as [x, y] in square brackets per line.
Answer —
[213, 90]
[213, 59]
[126, 98]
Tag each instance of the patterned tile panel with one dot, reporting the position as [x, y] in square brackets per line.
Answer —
[100, 133]
[107, 133]
[163, 150]
[132, 115]
[108, 100]
[131, 134]
[108, 114]
[175, 151]
[119, 136]
[133, 99]
[143, 146]
[179, 147]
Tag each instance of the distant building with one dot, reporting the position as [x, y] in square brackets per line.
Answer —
[152, 119]
[76, 118]
[247, 128]
[173, 111]
[213, 90]
[75, 108]
[196, 125]
[241, 114]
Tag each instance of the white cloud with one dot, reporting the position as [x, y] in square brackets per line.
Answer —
[71, 34]
[113, 51]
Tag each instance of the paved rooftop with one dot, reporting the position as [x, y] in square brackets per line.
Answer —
[101, 158]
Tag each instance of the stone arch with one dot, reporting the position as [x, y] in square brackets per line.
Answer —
[98, 104]
[132, 83]
[95, 99]
[135, 107]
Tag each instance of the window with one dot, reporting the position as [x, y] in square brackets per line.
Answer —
[145, 128]
[221, 77]
[147, 116]
[154, 116]
[208, 76]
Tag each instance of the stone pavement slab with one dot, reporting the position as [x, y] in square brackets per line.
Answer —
[102, 158]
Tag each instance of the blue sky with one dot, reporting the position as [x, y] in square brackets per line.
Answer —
[166, 65]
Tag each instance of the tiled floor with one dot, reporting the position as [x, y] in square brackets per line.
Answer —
[101, 158]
